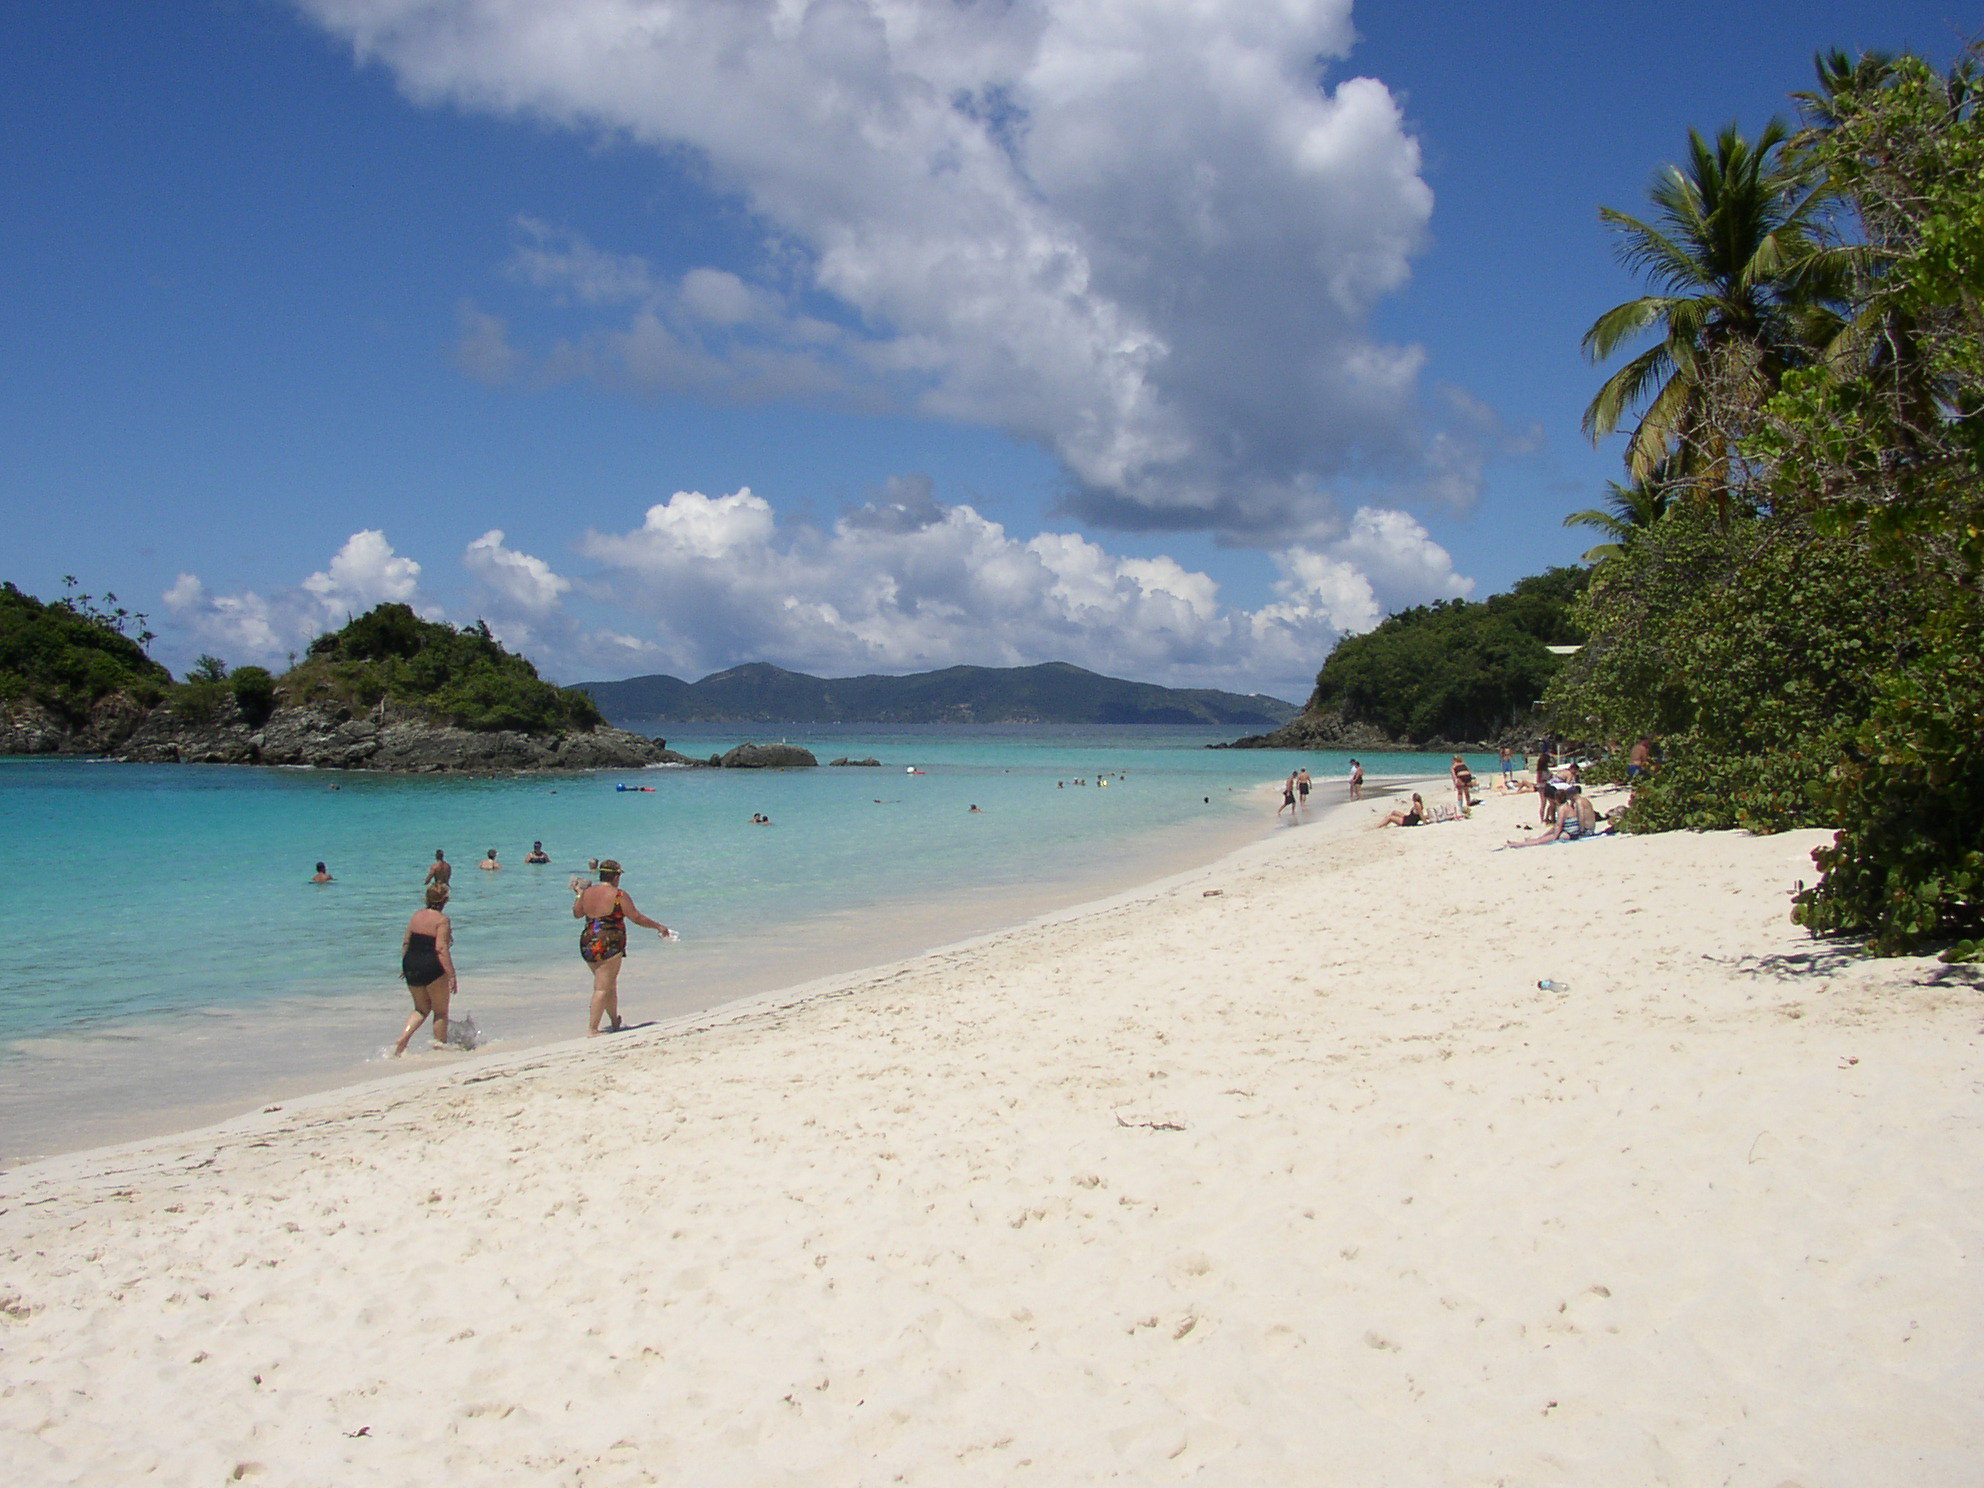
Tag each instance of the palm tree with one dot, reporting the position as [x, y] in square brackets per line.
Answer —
[1628, 511]
[1733, 259]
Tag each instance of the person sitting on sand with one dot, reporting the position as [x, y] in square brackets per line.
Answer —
[606, 907]
[1588, 815]
[427, 963]
[442, 870]
[1415, 816]
[489, 864]
[322, 875]
[537, 854]
[1576, 818]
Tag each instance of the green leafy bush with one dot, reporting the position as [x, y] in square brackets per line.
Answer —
[254, 693]
[1751, 651]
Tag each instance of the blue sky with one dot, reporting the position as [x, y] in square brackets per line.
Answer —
[1051, 366]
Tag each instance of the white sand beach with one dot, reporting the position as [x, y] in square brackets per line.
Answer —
[1305, 1182]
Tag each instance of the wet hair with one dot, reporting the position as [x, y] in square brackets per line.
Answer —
[322, 869]
[437, 895]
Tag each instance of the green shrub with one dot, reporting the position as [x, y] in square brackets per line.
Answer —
[254, 693]
[1751, 651]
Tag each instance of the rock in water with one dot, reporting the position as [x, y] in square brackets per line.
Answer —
[768, 757]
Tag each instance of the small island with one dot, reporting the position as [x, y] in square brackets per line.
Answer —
[388, 691]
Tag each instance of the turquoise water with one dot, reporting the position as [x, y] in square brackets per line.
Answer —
[137, 895]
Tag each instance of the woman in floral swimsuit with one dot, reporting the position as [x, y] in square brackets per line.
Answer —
[606, 907]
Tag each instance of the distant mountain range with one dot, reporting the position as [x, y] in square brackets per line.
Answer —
[1053, 692]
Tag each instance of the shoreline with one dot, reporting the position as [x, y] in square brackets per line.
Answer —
[501, 1062]
[1308, 1182]
[523, 1010]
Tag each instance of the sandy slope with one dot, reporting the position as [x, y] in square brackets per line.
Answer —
[1302, 1184]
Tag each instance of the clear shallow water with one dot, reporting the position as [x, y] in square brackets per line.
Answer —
[139, 902]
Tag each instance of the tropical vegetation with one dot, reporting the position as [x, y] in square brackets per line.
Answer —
[1455, 669]
[68, 655]
[71, 653]
[1802, 622]
[390, 659]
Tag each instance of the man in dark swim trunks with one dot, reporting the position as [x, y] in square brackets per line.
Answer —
[606, 907]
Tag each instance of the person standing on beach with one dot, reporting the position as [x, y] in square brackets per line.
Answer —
[442, 870]
[606, 907]
[1287, 796]
[1508, 769]
[1302, 784]
[1356, 781]
[427, 962]
[1543, 783]
[1463, 779]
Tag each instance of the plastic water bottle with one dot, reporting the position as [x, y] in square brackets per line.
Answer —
[1546, 985]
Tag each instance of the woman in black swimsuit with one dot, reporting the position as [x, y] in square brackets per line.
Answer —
[427, 962]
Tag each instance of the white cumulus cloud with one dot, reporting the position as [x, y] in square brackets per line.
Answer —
[905, 583]
[1146, 234]
[900, 583]
[263, 629]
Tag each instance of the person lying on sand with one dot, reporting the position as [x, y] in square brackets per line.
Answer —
[1413, 817]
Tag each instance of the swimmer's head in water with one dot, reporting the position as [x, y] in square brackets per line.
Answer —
[492, 852]
[322, 869]
[437, 896]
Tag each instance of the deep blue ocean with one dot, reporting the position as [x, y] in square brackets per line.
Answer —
[142, 899]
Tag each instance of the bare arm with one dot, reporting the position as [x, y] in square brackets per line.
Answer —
[627, 903]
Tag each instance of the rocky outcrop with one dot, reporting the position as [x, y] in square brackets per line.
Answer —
[324, 738]
[29, 728]
[870, 763]
[768, 757]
